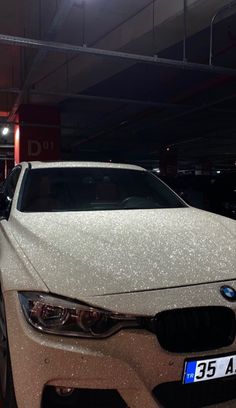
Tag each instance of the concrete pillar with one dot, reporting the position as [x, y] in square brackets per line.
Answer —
[168, 162]
[37, 136]
[8, 166]
[204, 168]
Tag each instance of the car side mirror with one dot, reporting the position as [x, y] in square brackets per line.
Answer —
[5, 205]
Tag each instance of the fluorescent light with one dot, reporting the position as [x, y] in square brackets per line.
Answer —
[5, 131]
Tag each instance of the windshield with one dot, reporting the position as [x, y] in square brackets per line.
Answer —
[91, 189]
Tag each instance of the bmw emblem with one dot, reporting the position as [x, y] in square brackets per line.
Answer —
[228, 293]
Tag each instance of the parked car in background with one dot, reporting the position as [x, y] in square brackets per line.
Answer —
[114, 292]
[212, 193]
[222, 196]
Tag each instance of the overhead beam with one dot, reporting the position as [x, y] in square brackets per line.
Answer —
[196, 109]
[123, 56]
[69, 95]
[168, 119]
[55, 25]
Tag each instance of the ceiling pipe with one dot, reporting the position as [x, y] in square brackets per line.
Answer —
[123, 56]
[217, 14]
[42, 125]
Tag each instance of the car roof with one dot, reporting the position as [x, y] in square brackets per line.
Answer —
[78, 164]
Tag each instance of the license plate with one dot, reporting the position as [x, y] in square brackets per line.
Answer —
[209, 369]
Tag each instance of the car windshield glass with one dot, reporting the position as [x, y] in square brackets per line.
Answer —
[90, 189]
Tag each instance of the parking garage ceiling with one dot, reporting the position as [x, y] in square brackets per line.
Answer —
[119, 108]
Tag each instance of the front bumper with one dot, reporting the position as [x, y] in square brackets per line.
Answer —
[131, 362]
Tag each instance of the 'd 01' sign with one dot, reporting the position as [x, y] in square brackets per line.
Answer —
[37, 136]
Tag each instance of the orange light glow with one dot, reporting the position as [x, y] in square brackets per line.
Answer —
[4, 114]
[17, 143]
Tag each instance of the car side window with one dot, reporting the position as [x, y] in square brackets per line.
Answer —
[8, 191]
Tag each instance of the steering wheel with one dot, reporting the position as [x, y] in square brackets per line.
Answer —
[135, 201]
[127, 199]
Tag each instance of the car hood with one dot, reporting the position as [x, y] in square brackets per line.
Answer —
[80, 254]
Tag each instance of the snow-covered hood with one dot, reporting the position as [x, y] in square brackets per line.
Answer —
[80, 254]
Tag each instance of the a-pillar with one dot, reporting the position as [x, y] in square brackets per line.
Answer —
[37, 133]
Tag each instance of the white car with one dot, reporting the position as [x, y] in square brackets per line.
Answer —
[114, 292]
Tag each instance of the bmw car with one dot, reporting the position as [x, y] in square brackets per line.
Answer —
[114, 292]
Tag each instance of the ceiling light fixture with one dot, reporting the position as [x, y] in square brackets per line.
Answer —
[5, 130]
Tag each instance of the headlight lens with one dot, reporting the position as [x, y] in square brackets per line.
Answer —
[52, 314]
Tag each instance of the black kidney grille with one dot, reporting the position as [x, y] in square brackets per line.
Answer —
[175, 394]
[195, 329]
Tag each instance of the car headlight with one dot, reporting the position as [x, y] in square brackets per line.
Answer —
[55, 315]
